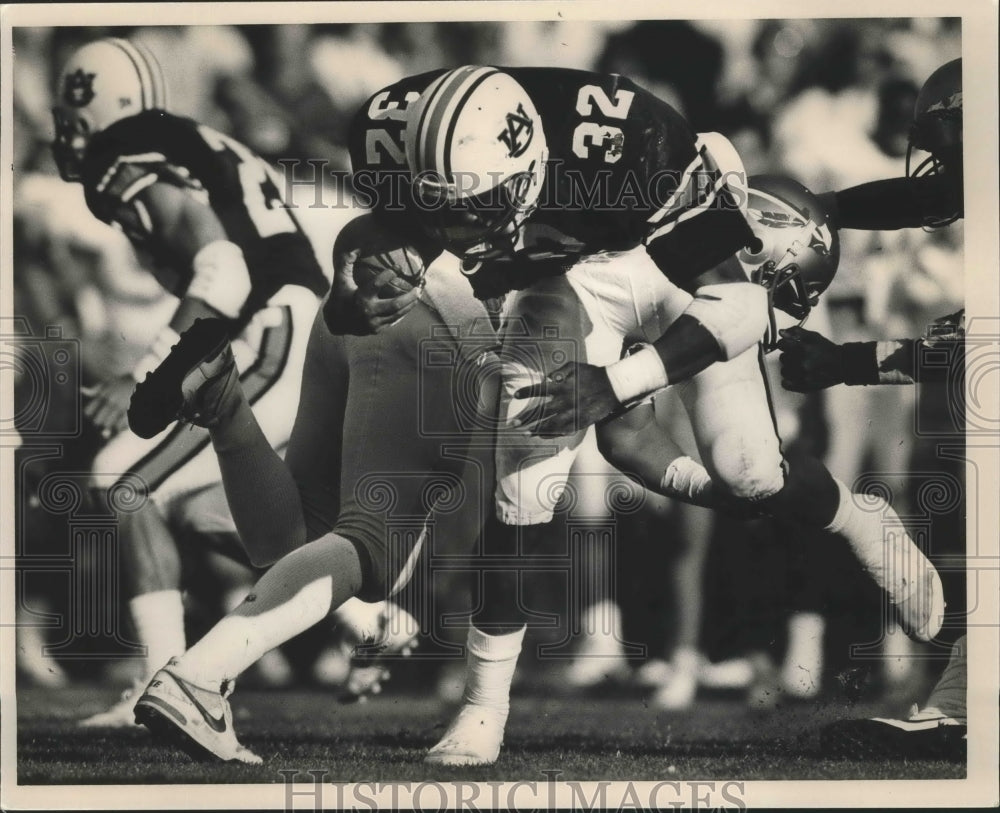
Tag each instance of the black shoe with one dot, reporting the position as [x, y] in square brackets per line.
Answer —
[190, 382]
[925, 735]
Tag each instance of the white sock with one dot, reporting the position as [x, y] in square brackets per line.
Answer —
[292, 596]
[803, 666]
[490, 668]
[880, 542]
[686, 660]
[159, 623]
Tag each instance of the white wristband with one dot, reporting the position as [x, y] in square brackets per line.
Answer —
[637, 375]
[158, 351]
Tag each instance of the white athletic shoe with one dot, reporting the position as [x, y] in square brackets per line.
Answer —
[376, 631]
[120, 715]
[473, 738]
[199, 721]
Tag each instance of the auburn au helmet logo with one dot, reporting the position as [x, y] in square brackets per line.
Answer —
[517, 134]
[78, 88]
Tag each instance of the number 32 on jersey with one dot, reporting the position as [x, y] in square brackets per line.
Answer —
[592, 139]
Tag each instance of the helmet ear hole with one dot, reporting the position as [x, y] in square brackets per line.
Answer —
[755, 245]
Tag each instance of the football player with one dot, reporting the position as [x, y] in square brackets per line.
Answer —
[207, 216]
[930, 196]
[597, 208]
[499, 160]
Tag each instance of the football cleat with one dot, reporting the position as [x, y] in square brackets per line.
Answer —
[192, 383]
[926, 734]
[377, 631]
[473, 738]
[120, 715]
[199, 721]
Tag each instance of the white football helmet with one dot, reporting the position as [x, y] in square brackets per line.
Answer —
[476, 152]
[104, 81]
[795, 251]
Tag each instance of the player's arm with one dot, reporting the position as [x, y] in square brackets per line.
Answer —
[727, 316]
[811, 362]
[351, 309]
[896, 203]
[693, 241]
[188, 231]
[191, 233]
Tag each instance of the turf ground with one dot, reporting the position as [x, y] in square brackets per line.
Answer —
[385, 739]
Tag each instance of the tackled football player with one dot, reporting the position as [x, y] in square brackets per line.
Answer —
[499, 161]
[207, 216]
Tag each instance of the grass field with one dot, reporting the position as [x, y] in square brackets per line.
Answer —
[587, 739]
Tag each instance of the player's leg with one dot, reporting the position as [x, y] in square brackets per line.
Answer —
[547, 325]
[179, 461]
[399, 429]
[382, 467]
[148, 558]
[186, 700]
[730, 412]
[301, 589]
[249, 424]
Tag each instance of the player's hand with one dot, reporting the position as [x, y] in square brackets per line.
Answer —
[573, 397]
[107, 407]
[809, 361]
[378, 313]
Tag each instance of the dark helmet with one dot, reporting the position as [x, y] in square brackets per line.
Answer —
[795, 250]
[937, 118]
[937, 129]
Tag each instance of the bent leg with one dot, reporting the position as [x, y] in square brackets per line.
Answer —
[297, 592]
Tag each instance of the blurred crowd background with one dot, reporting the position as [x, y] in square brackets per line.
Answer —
[680, 599]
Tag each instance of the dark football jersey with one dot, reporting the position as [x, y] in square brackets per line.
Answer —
[624, 169]
[241, 188]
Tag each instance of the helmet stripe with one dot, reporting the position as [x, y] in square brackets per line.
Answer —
[452, 117]
[156, 72]
[141, 70]
[440, 113]
[431, 117]
[147, 68]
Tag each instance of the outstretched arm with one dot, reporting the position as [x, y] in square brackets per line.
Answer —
[811, 362]
[190, 233]
[897, 203]
[727, 316]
